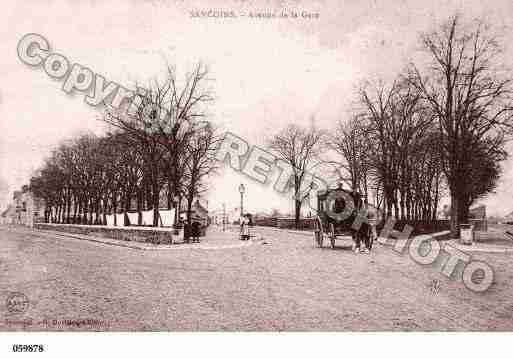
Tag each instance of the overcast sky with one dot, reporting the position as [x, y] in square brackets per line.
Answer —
[268, 73]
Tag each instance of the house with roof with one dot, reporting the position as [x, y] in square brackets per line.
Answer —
[477, 217]
[8, 215]
[25, 209]
[198, 212]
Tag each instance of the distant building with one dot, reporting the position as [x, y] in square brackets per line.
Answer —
[216, 216]
[477, 217]
[508, 218]
[8, 216]
[233, 215]
[478, 212]
[198, 211]
[25, 209]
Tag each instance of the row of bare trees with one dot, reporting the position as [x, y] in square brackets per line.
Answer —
[389, 154]
[400, 156]
[437, 129]
[163, 149]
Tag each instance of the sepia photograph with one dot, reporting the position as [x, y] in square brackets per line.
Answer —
[313, 175]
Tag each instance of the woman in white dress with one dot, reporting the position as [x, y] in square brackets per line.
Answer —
[244, 228]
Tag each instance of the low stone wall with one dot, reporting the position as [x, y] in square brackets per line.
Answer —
[137, 234]
[285, 222]
[419, 226]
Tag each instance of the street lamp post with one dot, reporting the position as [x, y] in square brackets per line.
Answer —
[241, 190]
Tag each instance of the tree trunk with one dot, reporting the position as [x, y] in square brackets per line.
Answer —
[389, 208]
[104, 214]
[403, 206]
[85, 208]
[75, 209]
[454, 216]
[187, 231]
[80, 207]
[463, 211]
[139, 207]
[169, 196]
[91, 209]
[97, 210]
[115, 207]
[177, 210]
[68, 206]
[297, 213]
[128, 200]
[156, 197]
[47, 214]
[435, 204]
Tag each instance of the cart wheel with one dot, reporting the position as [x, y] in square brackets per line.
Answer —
[318, 234]
[332, 235]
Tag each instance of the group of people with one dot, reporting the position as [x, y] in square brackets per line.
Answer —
[192, 231]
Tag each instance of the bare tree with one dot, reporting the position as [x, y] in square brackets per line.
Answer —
[163, 144]
[167, 115]
[397, 125]
[200, 163]
[351, 142]
[470, 96]
[377, 102]
[300, 149]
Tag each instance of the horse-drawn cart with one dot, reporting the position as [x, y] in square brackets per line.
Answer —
[337, 211]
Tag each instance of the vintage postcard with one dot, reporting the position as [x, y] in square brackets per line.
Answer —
[255, 166]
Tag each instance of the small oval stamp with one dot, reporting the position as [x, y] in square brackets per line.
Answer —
[17, 303]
